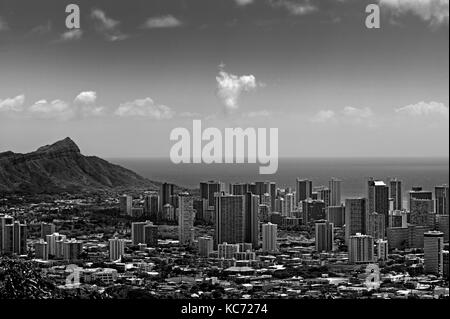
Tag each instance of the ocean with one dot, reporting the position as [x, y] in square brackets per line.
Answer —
[425, 172]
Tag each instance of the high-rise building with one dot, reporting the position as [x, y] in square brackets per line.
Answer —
[264, 213]
[355, 217]
[55, 244]
[209, 189]
[441, 195]
[376, 226]
[422, 212]
[378, 198]
[138, 232]
[251, 222]
[151, 235]
[360, 249]
[443, 226]
[335, 192]
[125, 204]
[239, 188]
[446, 264]
[323, 194]
[398, 218]
[151, 206]
[418, 193]
[336, 215]
[168, 213]
[4, 221]
[72, 249]
[166, 193]
[395, 193]
[41, 250]
[14, 238]
[230, 219]
[433, 256]
[47, 229]
[324, 236]
[312, 210]
[186, 217]
[205, 246]
[303, 190]
[269, 237]
[382, 249]
[116, 248]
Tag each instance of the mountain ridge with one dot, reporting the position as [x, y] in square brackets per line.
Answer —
[61, 167]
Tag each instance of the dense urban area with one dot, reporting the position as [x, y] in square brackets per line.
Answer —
[243, 240]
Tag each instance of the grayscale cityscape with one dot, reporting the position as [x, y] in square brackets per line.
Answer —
[216, 150]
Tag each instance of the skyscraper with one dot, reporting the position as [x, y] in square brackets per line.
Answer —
[355, 217]
[116, 248]
[251, 228]
[324, 231]
[441, 195]
[335, 191]
[303, 190]
[418, 193]
[41, 250]
[376, 226]
[336, 215]
[378, 198]
[395, 193]
[422, 212]
[138, 232]
[151, 206]
[433, 248]
[165, 195]
[14, 236]
[151, 235]
[269, 237]
[360, 249]
[47, 229]
[209, 189]
[205, 246]
[72, 249]
[186, 217]
[230, 219]
[312, 210]
[125, 204]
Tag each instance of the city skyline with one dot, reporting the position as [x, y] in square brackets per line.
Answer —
[302, 66]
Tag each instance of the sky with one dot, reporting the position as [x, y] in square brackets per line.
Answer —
[137, 69]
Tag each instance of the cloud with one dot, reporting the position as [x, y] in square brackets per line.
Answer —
[86, 97]
[55, 109]
[14, 104]
[436, 12]
[230, 88]
[323, 116]
[3, 25]
[243, 3]
[295, 7]
[145, 108]
[167, 21]
[348, 115]
[42, 29]
[106, 26]
[71, 35]
[85, 104]
[424, 109]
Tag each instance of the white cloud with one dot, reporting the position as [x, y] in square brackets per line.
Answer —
[243, 2]
[167, 21]
[348, 115]
[323, 116]
[230, 88]
[14, 104]
[145, 108]
[295, 7]
[424, 109]
[85, 104]
[71, 35]
[86, 97]
[106, 26]
[436, 12]
[55, 109]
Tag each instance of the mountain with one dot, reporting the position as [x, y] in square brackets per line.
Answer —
[61, 167]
